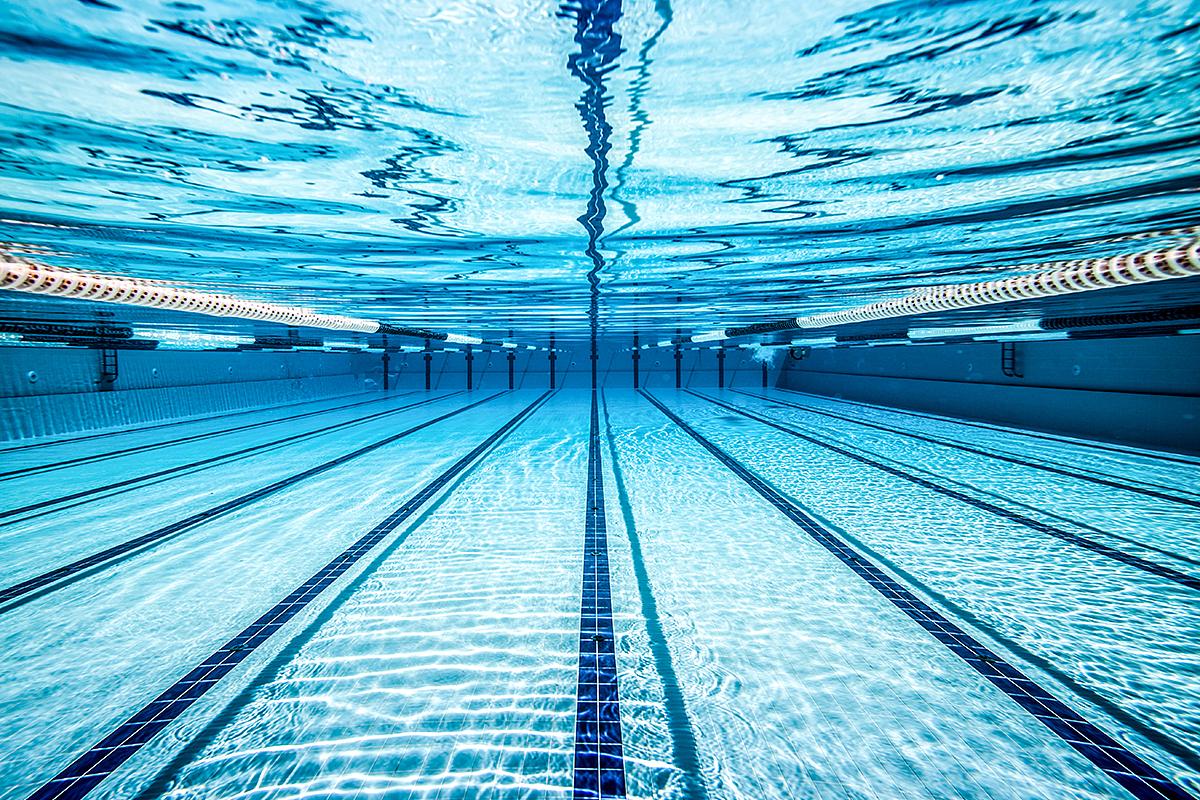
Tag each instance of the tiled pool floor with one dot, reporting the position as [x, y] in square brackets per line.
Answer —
[797, 592]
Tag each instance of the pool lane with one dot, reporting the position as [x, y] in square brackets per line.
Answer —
[951, 488]
[1178, 494]
[33, 547]
[78, 662]
[39, 585]
[659, 741]
[1120, 639]
[108, 755]
[1115, 509]
[451, 669]
[800, 679]
[1120, 764]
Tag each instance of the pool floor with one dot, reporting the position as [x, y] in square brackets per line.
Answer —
[658, 594]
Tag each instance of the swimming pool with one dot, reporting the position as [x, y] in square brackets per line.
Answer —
[783, 595]
[599, 399]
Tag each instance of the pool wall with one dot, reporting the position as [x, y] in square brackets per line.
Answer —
[1141, 390]
[1137, 390]
[49, 390]
[57, 390]
[572, 368]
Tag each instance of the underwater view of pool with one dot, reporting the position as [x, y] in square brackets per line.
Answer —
[599, 399]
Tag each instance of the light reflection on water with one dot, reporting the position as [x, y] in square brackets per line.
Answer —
[643, 163]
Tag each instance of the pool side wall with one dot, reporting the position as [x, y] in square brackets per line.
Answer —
[55, 390]
[1142, 390]
[49, 390]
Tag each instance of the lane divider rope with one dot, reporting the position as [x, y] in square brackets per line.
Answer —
[1047, 279]
[20, 274]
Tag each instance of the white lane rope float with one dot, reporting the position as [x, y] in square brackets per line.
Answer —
[1048, 279]
[22, 274]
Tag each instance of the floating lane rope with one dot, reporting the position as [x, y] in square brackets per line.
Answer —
[1049, 279]
[24, 275]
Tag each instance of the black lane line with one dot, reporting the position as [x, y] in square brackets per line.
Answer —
[71, 462]
[21, 593]
[174, 422]
[1110, 756]
[205, 462]
[1049, 437]
[89, 769]
[599, 757]
[1162, 551]
[167, 775]
[1182, 578]
[1083, 476]
[679, 724]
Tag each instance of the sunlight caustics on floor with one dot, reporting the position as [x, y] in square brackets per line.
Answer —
[446, 661]
[599, 399]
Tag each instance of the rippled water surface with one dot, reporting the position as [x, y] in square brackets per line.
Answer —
[643, 164]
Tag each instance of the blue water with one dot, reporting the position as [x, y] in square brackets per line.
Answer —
[650, 165]
[260, 576]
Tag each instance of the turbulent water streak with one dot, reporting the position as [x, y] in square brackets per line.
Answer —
[599, 48]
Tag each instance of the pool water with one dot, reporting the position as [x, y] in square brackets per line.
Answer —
[749, 659]
[642, 165]
[268, 567]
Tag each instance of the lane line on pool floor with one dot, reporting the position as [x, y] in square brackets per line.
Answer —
[1011, 502]
[1159, 570]
[94, 457]
[1164, 455]
[1078, 475]
[128, 484]
[106, 756]
[183, 421]
[599, 767]
[684, 749]
[1106, 753]
[18, 594]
